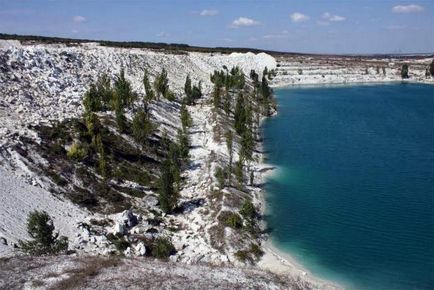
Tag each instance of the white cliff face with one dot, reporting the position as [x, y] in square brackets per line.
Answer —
[40, 83]
[301, 70]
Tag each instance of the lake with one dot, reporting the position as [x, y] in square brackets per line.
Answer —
[352, 196]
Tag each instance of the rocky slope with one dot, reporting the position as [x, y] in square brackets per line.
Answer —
[294, 70]
[140, 273]
[45, 83]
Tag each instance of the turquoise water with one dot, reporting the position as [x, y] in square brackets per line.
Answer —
[352, 199]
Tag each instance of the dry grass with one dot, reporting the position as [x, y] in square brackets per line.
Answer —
[92, 267]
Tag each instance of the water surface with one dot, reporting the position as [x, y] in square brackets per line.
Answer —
[352, 199]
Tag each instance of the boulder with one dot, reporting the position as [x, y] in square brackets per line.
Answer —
[150, 201]
[140, 249]
[120, 228]
[3, 241]
[127, 252]
[129, 218]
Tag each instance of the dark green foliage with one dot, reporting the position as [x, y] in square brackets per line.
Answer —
[247, 144]
[121, 120]
[187, 87]
[45, 242]
[266, 94]
[77, 152]
[239, 172]
[248, 211]
[255, 78]
[250, 255]
[99, 95]
[119, 241]
[196, 92]
[161, 85]
[184, 145]
[93, 124]
[216, 97]
[431, 68]
[167, 194]
[186, 120]
[162, 248]
[142, 127]
[233, 220]
[91, 100]
[220, 176]
[404, 71]
[240, 115]
[149, 93]
[229, 146]
[102, 161]
[123, 93]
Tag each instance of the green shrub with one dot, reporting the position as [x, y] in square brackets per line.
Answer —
[234, 221]
[404, 71]
[248, 210]
[220, 176]
[162, 248]
[77, 152]
[45, 242]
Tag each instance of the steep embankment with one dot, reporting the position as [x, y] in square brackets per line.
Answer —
[100, 273]
[295, 70]
[42, 84]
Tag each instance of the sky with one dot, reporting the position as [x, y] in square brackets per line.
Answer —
[321, 26]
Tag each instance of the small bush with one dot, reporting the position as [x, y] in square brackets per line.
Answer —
[233, 220]
[404, 71]
[77, 152]
[45, 242]
[221, 177]
[250, 255]
[162, 248]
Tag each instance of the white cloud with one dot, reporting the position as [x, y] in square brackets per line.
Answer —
[407, 8]
[78, 19]
[395, 27]
[163, 34]
[333, 18]
[299, 17]
[207, 12]
[244, 21]
[275, 36]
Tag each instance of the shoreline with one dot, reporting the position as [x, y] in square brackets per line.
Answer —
[350, 83]
[275, 259]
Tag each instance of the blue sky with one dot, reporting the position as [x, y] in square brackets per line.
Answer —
[322, 26]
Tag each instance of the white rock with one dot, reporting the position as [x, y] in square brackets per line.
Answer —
[120, 228]
[127, 252]
[140, 249]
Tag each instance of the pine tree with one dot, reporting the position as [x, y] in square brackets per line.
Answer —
[161, 85]
[216, 97]
[167, 195]
[45, 242]
[229, 146]
[149, 93]
[240, 115]
[123, 92]
[404, 71]
[102, 161]
[186, 120]
[220, 176]
[142, 127]
[239, 172]
[188, 89]
[184, 144]
[431, 68]
[91, 100]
